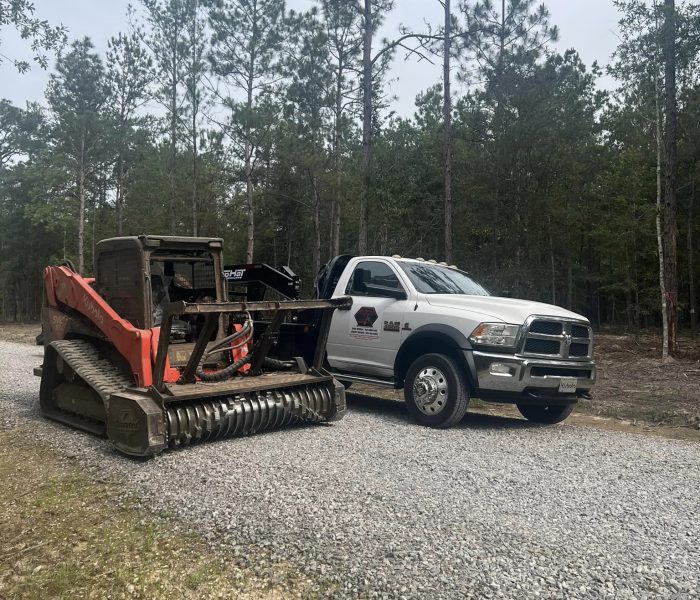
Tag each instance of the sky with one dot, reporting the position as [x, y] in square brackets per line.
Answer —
[586, 25]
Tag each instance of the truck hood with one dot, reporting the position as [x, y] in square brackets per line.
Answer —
[508, 310]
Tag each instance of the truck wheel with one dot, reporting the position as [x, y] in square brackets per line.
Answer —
[436, 391]
[548, 413]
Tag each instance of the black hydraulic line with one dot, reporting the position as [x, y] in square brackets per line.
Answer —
[224, 373]
[230, 370]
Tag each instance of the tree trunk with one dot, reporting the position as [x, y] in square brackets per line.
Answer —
[366, 127]
[670, 206]
[659, 232]
[120, 193]
[335, 208]
[691, 274]
[336, 234]
[173, 151]
[81, 200]
[316, 253]
[447, 116]
[250, 247]
[194, 80]
[194, 174]
[552, 262]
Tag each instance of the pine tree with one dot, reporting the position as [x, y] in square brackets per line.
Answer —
[343, 42]
[129, 74]
[166, 38]
[247, 39]
[309, 101]
[77, 95]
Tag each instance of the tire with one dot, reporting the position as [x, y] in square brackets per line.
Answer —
[436, 391]
[549, 413]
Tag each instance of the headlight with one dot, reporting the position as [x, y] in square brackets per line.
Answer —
[495, 334]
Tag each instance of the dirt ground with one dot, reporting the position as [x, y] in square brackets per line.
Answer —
[19, 332]
[633, 384]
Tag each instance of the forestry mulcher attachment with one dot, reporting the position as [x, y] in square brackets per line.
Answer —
[152, 354]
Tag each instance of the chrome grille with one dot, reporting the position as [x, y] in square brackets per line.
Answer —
[557, 338]
[580, 331]
[578, 349]
[546, 327]
[536, 346]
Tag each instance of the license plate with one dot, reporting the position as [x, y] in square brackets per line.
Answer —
[567, 385]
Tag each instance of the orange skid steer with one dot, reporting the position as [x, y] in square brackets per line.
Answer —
[152, 354]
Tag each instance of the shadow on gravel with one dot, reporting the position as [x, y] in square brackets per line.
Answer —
[481, 421]
[392, 409]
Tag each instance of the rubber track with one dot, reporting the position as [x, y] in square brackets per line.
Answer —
[248, 413]
[99, 373]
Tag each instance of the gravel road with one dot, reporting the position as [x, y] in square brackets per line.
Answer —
[375, 506]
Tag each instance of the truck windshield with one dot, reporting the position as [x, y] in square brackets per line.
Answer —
[434, 279]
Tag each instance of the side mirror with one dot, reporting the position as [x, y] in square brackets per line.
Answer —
[395, 294]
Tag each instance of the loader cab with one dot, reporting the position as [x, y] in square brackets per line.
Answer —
[139, 276]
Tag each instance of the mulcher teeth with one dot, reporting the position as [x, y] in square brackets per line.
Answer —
[247, 413]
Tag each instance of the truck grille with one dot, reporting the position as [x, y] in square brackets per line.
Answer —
[546, 327]
[535, 346]
[557, 339]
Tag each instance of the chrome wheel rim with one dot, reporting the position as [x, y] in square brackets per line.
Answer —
[430, 391]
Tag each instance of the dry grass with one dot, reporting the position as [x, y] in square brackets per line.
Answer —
[65, 536]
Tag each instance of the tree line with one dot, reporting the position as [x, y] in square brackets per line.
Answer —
[272, 129]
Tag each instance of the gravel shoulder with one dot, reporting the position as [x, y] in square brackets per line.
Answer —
[375, 506]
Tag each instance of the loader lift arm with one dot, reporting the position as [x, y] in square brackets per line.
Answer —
[66, 288]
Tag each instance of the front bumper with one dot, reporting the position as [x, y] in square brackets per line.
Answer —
[508, 375]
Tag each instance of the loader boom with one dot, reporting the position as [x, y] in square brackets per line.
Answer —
[64, 288]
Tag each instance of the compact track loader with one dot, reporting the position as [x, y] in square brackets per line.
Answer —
[152, 354]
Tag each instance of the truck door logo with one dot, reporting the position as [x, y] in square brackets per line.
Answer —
[392, 325]
[366, 316]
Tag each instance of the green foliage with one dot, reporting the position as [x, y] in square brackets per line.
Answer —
[43, 37]
[258, 132]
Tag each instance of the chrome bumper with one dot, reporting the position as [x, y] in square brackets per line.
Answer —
[515, 374]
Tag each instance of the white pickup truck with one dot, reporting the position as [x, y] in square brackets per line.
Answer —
[430, 329]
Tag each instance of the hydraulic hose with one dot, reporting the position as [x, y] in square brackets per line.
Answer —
[230, 370]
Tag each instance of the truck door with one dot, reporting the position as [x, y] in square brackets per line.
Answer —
[367, 337]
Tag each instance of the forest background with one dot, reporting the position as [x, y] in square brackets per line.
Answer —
[272, 129]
